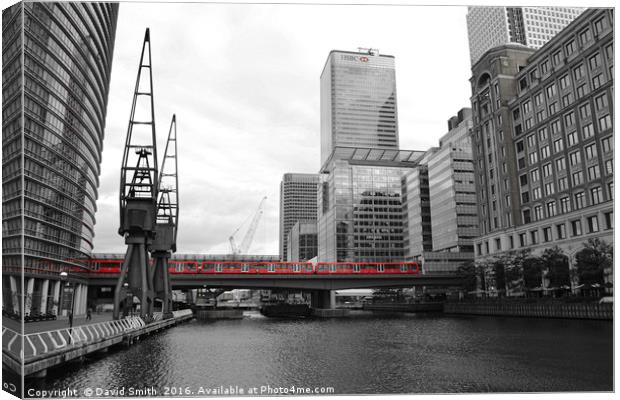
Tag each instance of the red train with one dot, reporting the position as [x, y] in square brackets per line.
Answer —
[269, 267]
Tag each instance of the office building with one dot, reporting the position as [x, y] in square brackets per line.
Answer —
[490, 27]
[298, 202]
[452, 192]
[358, 102]
[52, 143]
[361, 204]
[543, 140]
[417, 209]
[440, 201]
[302, 243]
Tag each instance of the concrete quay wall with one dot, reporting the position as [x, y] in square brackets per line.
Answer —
[535, 310]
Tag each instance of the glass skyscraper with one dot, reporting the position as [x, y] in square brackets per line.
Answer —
[358, 102]
[361, 204]
[52, 146]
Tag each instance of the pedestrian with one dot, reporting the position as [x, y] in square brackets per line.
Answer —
[89, 314]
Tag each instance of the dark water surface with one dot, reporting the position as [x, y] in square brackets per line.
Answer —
[365, 353]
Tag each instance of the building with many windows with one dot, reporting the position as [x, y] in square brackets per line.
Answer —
[358, 101]
[298, 202]
[302, 243]
[490, 27]
[361, 204]
[57, 59]
[543, 140]
[440, 201]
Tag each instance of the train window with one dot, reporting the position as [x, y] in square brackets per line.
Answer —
[332, 267]
[296, 267]
[381, 268]
[218, 267]
[245, 267]
[271, 268]
[356, 268]
[403, 268]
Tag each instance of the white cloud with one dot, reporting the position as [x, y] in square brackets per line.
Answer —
[244, 83]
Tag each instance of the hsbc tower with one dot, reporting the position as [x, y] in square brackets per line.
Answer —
[358, 101]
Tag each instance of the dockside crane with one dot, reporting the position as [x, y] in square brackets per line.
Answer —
[165, 242]
[138, 191]
[249, 236]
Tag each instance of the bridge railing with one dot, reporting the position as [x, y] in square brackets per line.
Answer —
[42, 343]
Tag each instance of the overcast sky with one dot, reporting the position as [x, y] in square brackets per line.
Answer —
[244, 83]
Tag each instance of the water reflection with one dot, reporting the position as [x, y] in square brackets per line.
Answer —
[399, 353]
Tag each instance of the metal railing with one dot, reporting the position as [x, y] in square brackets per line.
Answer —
[39, 343]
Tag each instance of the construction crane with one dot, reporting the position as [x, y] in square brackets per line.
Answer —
[138, 191]
[249, 235]
[165, 242]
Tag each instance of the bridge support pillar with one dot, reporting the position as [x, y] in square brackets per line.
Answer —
[323, 304]
[323, 299]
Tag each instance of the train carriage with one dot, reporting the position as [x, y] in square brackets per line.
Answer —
[368, 268]
[237, 267]
[182, 267]
[113, 266]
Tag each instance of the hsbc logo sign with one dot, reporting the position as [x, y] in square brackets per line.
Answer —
[348, 57]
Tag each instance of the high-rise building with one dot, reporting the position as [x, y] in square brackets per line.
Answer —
[302, 241]
[52, 145]
[358, 101]
[361, 204]
[452, 192]
[298, 202]
[489, 27]
[418, 232]
[543, 140]
[440, 202]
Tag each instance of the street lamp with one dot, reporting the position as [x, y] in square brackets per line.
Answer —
[64, 278]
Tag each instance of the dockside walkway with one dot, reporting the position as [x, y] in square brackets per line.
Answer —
[51, 343]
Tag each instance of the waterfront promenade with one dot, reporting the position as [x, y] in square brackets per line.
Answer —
[49, 344]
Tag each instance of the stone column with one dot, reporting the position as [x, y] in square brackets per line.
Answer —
[84, 298]
[44, 290]
[77, 299]
[28, 298]
[15, 298]
[56, 294]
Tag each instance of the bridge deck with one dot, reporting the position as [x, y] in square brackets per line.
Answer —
[292, 281]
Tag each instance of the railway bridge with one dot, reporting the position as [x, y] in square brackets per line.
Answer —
[319, 284]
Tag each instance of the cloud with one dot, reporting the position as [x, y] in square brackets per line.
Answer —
[244, 83]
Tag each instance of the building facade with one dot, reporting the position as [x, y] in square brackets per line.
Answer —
[490, 27]
[418, 234]
[52, 146]
[302, 241]
[452, 191]
[358, 101]
[543, 141]
[361, 203]
[440, 201]
[298, 202]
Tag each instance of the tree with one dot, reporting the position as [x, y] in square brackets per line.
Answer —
[592, 260]
[532, 272]
[467, 270]
[499, 271]
[556, 264]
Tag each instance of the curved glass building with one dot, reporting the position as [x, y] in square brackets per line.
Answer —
[57, 64]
